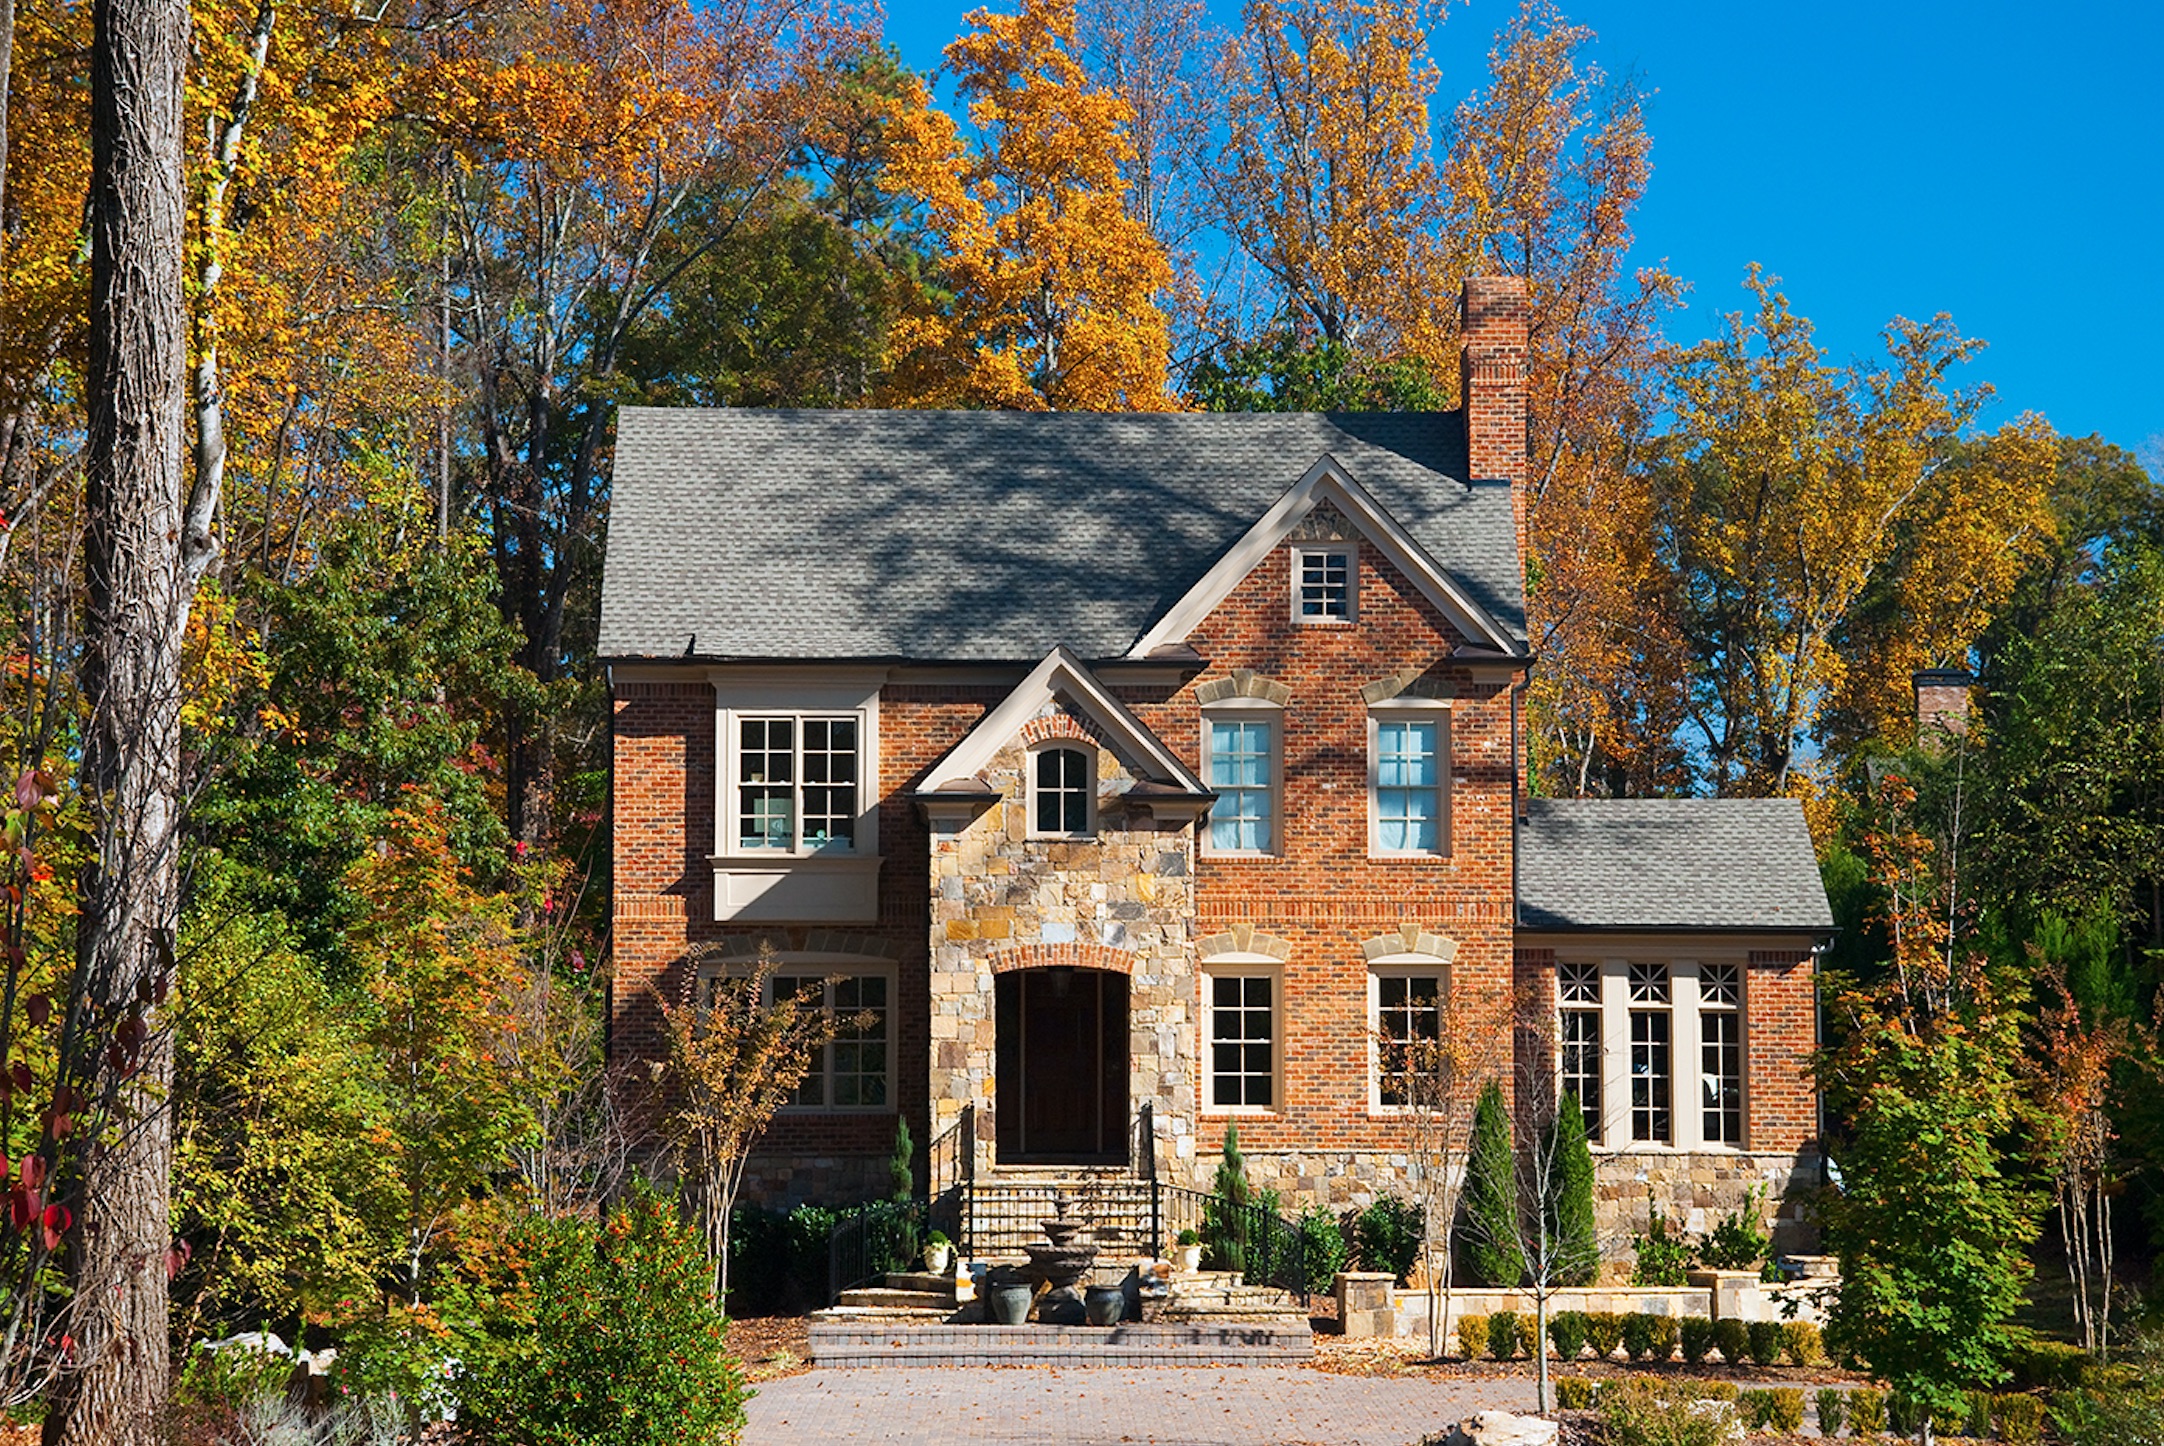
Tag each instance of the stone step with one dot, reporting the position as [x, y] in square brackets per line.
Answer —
[921, 1280]
[877, 1298]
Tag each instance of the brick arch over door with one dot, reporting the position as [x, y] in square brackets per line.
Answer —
[1062, 956]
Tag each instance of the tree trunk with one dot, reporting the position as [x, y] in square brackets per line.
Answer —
[136, 613]
[7, 71]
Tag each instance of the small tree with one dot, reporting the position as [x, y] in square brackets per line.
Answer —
[1225, 1223]
[1575, 1225]
[738, 1049]
[1491, 1194]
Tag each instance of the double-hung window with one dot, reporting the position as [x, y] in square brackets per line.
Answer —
[1582, 1063]
[796, 783]
[1242, 771]
[1408, 798]
[1652, 1067]
[1060, 792]
[1240, 1022]
[1720, 1065]
[1408, 1026]
[855, 1070]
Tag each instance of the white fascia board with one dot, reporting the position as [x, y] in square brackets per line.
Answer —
[1060, 672]
[1326, 481]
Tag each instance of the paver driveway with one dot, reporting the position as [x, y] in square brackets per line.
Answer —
[1248, 1406]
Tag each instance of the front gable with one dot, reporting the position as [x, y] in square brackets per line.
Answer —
[1328, 505]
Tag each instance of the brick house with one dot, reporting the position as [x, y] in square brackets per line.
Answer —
[1140, 771]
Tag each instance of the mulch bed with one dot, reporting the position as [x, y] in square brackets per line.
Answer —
[770, 1346]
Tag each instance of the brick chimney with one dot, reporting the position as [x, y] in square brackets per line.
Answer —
[1942, 705]
[1491, 387]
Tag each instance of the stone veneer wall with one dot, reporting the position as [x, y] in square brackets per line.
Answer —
[1121, 901]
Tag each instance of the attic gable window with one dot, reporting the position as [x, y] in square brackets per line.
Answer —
[1324, 584]
[1060, 792]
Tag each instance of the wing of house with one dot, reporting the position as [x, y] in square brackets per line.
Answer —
[1140, 773]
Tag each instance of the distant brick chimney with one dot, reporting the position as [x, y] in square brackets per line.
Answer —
[1942, 705]
[1491, 385]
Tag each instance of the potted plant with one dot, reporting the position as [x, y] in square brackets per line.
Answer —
[1189, 1251]
[938, 1253]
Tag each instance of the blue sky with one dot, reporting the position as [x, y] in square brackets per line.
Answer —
[2002, 163]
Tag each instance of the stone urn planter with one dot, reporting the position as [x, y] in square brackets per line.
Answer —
[1008, 1302]
[938, 1255]
[1188, 1253]
[1104, 1304]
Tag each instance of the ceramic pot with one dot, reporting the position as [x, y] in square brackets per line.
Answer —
[1190, 1258]
[1105, 1304]
[1009, 1304]
[937, 1258]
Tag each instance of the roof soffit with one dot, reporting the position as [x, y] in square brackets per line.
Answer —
[1327, 483]
[1061, 675]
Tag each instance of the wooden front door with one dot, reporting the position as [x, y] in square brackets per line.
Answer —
[1062, 1085]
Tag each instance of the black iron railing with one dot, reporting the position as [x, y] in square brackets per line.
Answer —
[1265, 1247]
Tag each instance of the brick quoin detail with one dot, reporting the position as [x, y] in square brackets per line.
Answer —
[1061, 956]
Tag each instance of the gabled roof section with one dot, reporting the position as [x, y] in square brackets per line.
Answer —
[1327, 481]
[960, 537]
[1716, 865]
[1061, 676]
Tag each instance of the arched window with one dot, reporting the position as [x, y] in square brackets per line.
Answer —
[1060, 792]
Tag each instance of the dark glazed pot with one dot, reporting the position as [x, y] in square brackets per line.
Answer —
[1105, 1304]
[1009, 1304]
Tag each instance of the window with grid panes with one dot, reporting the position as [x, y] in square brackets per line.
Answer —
[1408, 1016]
[1323, 584]
[1408, 799]
[1062, 791]
[1720, 1064]
[1243, 1041]
[853, 1071]
[796, 783]
[1652, 1066]
[1242, 768]
[1579, 988]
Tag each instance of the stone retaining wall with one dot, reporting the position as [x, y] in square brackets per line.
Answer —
[1243, 1343]
[1369, 1304]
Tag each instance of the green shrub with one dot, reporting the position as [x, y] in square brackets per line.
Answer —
[1905, 1414]
[1603, 1332]
[1756, 1408]
[1577, 1238]
[624, 1341]
[1641, 1412]
[1738, 1240]
[1387, 1236]
[1832, 1410]
[1225, 1216]
[1696, 1333]
[1665, 1332]
[2048, 1366]
[1573, 1393]
[1473, 1336]
[2019, 1419]
[1976, 1416]
[1765, 1342]
[1492, 1254]
[1638, 1335]
[1784, 1409]
[1800, 1342]
[1733, 1338]
[1663, 1259]
[1867, 1411]
[1503, 1335]
[1322, 1246]
[1566, 1332]
[1712, 1390]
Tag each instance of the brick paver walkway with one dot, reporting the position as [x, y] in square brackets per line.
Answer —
[1248, 1406]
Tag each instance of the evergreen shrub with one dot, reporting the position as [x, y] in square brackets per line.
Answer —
[1696, 1332]
[1801, 1343]
[1387, 1236]
[1574, 1393]
[1604, 1332]
[1867, 1410]
[1566, 1332]
[1765, 1342]
[1733, 1338]
[1832, 1410]
[1503, 1335]
[1492, 1254]
[1473, 1336]
[2019, 1418]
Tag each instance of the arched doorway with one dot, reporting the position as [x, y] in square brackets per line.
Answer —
[1062, 1061]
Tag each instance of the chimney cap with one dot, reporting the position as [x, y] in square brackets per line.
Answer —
[1943, 678]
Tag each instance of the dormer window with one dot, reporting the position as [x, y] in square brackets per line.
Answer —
[1324, 584]
[1060, 792]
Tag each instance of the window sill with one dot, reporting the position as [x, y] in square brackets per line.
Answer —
[1239, 1112]
[1375, 857]
[827, 1112]
[824, 888]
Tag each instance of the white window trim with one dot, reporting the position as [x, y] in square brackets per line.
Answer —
[1089, 786]
[1294, 559]
[1397, 710]
[1741, 1010]
[1599, 1131]
[843, 964]
[1686, 1084]
[733, 704]
[1242, 966]
[1399, 966]
[1250, 710]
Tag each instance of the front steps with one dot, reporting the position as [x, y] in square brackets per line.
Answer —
[1006, 1204]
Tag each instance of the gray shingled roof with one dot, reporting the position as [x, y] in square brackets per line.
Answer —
[986, 536]
[1729, 864]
